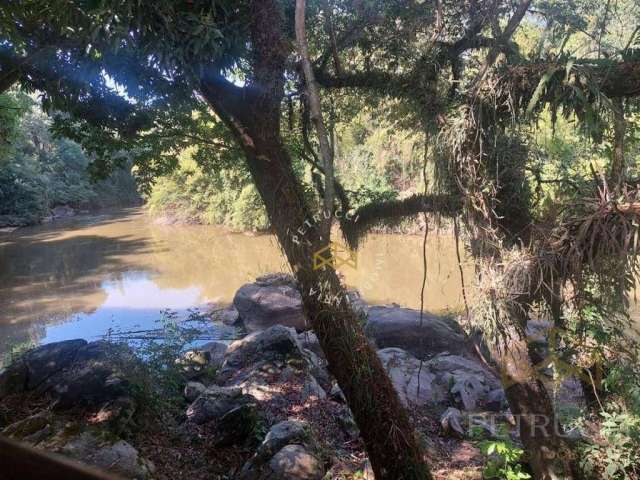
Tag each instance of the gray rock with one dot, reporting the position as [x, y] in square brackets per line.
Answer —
[451, 422]
[27, 426]
[496, 400]
[235, 426]
[228, 316]
[281, 434]
[294, 462]
[392, 326]
[193, 390]
[415, 385]
[311, 390]
[309, 341]
[74, 372]
[215, 402]
[271, 300]
[36, 366]
[336, 394]
[467, 380]
[208, 356]
[277, 343]
[62, 211]
[95, 376]
[118, 457]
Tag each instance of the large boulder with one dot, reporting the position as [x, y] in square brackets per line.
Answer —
[442, 379]
[73, 372]
[33, 368]
[97, 374]
[277, 345]
[273, 367]
[469, 383]
[272, 299]
[392, 326]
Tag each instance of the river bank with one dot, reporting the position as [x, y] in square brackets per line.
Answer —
[261, 407]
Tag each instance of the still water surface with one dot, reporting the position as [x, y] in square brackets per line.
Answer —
[80, 277]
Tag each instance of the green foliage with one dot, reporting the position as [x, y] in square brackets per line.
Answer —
[504, 460]
[157, 380]
[616, 458]
[40, 171]
[224, 196]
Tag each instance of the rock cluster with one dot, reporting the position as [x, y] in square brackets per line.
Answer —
[237, 392]
[76, 374]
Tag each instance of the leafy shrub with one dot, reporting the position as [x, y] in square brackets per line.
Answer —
[616, 458]
[224, 196]
[504, 460]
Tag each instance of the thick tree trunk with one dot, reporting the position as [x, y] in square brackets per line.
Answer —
[541, 434]
[253, 115]
[384, 425]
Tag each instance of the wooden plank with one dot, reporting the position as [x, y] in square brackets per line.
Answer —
[23, 462]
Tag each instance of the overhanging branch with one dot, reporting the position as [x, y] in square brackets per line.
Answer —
[391, 212]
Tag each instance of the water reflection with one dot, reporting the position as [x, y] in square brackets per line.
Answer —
[83, 276]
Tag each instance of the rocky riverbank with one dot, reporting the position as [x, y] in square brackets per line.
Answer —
[262, 407]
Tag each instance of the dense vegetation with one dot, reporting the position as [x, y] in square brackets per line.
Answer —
[39, 171]
[374, 161]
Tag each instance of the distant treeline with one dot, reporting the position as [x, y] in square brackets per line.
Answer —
[39, 171]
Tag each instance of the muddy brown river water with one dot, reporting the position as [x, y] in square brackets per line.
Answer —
[84, 276]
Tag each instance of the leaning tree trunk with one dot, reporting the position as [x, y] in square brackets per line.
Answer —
[254, 118]
[384, 425]
[540, 431]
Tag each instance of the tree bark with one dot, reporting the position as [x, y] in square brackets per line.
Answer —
[313, 95]
[540, 431]
[8, 79]
[618, 163]
[253, 115]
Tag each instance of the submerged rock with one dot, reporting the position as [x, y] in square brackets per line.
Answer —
[271, 300]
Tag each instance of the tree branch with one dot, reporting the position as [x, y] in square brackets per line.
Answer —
[391, 212]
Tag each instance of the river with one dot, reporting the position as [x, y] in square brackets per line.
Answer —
[88, 275]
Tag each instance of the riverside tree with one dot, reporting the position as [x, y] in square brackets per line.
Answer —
[223, 74]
